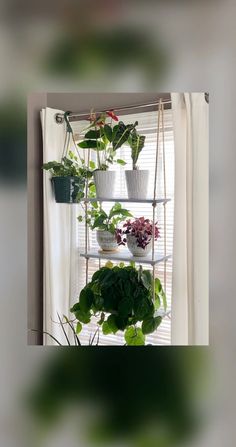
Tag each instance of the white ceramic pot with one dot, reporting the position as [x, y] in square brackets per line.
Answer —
[134, 249]
[106, 240]
[105, 184]
[137, 183]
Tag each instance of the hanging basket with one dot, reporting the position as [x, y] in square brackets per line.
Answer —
[68, 189]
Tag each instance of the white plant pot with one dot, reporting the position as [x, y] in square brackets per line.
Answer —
[137, 183]
[106, 240]
[105, 184]
[134, 249]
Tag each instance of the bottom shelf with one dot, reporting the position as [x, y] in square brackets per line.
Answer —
[123, 255]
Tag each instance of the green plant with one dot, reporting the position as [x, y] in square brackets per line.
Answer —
[105, 138]
[68, 167]
[121, 297]
[98, 218]
[136, 143]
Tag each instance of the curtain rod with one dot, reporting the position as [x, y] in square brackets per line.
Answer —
[75, 116]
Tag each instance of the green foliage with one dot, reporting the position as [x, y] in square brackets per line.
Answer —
[98, 218]
[68, 167]
[120, 297]
[136, 143]
[121, 133]
[134, 336]
[102, 137]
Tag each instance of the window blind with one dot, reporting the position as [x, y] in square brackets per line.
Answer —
[147, 125]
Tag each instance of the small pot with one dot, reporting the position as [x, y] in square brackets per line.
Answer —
[105, 184]
[134, 249]
[137, 183]
[68, 189]
[106, 240]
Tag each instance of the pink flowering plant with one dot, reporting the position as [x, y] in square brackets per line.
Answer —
[141, 228]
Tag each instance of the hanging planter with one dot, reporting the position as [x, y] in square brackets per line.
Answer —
[105, 139]
[68, 189]
[136, 180]
[69, 175]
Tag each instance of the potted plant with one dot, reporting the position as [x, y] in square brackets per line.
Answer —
[137, 234]
[68, 178]
[106, 224]
[136, 179]
[121, 299]
[105, 139]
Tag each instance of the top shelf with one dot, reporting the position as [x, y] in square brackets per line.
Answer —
[125, 199]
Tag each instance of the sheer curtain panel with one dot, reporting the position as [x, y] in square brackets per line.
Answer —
[190, 250]
[60, 253]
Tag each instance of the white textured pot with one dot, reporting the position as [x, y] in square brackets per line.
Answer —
[137, 183]
[134, 249]
[105, 184]
[106, 240]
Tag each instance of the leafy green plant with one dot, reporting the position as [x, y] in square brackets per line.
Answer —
[121, 297]
[105, 138]
[136, 143]
[68, 167]
[98, 218]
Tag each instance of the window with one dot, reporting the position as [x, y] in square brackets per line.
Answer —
[147, 126]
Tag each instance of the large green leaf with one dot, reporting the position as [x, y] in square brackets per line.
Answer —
[125, 307]
[150, 324]
[136, 143]
[134, 336]
[108, 132]
[160, 293]
[86, 299]
[111, 321]
[93, 134]
[146, 278]
[92, 144]
[83, 317]
[121, 134]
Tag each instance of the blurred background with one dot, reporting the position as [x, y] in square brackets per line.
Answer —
[146, 397]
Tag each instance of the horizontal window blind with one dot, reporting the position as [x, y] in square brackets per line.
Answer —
[147, 125]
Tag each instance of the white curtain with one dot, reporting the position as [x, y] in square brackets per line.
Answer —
[190, 297]
[60, 255]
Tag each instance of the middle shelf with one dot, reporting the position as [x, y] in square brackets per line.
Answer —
[124, 255]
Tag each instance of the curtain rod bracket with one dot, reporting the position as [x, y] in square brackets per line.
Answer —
[59, 118]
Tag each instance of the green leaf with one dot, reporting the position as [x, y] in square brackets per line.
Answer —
[121, 162]
[108, 132]
[80, 218]
[160, 294]
[134, 336]
[109, 264]
[92, 144]
[86, 299]
[78, 328]
[84, 317]
[111, 321]
[121, 134]
[150, 324]
[93, 134]
[125, 307]
[106, 328]
[92, 165]
[136, 143]
[146, 278]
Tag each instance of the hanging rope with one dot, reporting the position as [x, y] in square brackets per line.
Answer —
[154, 197]
[164, 185]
